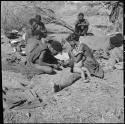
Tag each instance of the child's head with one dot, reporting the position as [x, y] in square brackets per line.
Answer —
[80, 16]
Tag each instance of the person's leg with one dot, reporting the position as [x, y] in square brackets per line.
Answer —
[87, 72]
[76, 37]
[44, 69]
[82, 71]
[85, 30]
[69, 38]
[79, 70]
[72, 37]
[83, 74]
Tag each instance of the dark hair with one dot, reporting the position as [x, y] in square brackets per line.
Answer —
[31, 21]
[81, 14]
[56, 45]
[38, 17]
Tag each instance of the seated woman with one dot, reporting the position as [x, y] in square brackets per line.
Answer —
[77, 57]
[30, 30]
[40, 56]
[36, 24]
[88, 60]
[41, 26]
[81, 28]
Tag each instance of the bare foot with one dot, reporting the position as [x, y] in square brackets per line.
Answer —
[83, 76]
[86, 80]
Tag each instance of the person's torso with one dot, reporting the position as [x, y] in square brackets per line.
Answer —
[88, 53]
[33, 43]
[39, 26]
[79, 29]
[75, 52]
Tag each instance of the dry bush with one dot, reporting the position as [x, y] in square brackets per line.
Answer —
[15, 14]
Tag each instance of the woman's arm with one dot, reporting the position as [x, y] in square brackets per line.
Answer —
[43, 30]
[78, 58]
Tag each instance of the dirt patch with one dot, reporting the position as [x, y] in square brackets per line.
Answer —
[96, 101]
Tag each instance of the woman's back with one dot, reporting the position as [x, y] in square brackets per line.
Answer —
[31, 43]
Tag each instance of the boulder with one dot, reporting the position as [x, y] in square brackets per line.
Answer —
[103, 42]
[96, 42]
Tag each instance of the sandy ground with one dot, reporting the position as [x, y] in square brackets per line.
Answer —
[99, 101]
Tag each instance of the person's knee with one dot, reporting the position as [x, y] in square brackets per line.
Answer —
[49, 70]
[44, 69]
[101, 74]
[85, 69]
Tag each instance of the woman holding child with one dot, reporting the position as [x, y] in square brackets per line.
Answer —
[83, 58]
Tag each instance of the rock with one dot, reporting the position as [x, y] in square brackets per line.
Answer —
[119, 66]
[116, 40]
[96, 42]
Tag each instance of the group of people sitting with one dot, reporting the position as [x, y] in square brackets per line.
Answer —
[41, 51]
[41, 55]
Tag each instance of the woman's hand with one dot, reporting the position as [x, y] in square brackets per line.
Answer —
[56, 66]
[61, 62]
[68, 63]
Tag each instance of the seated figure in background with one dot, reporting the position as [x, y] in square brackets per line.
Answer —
[81, 28]
[36, 24]
[40, 26]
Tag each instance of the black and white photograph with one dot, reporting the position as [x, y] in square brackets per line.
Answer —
[62, 61]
